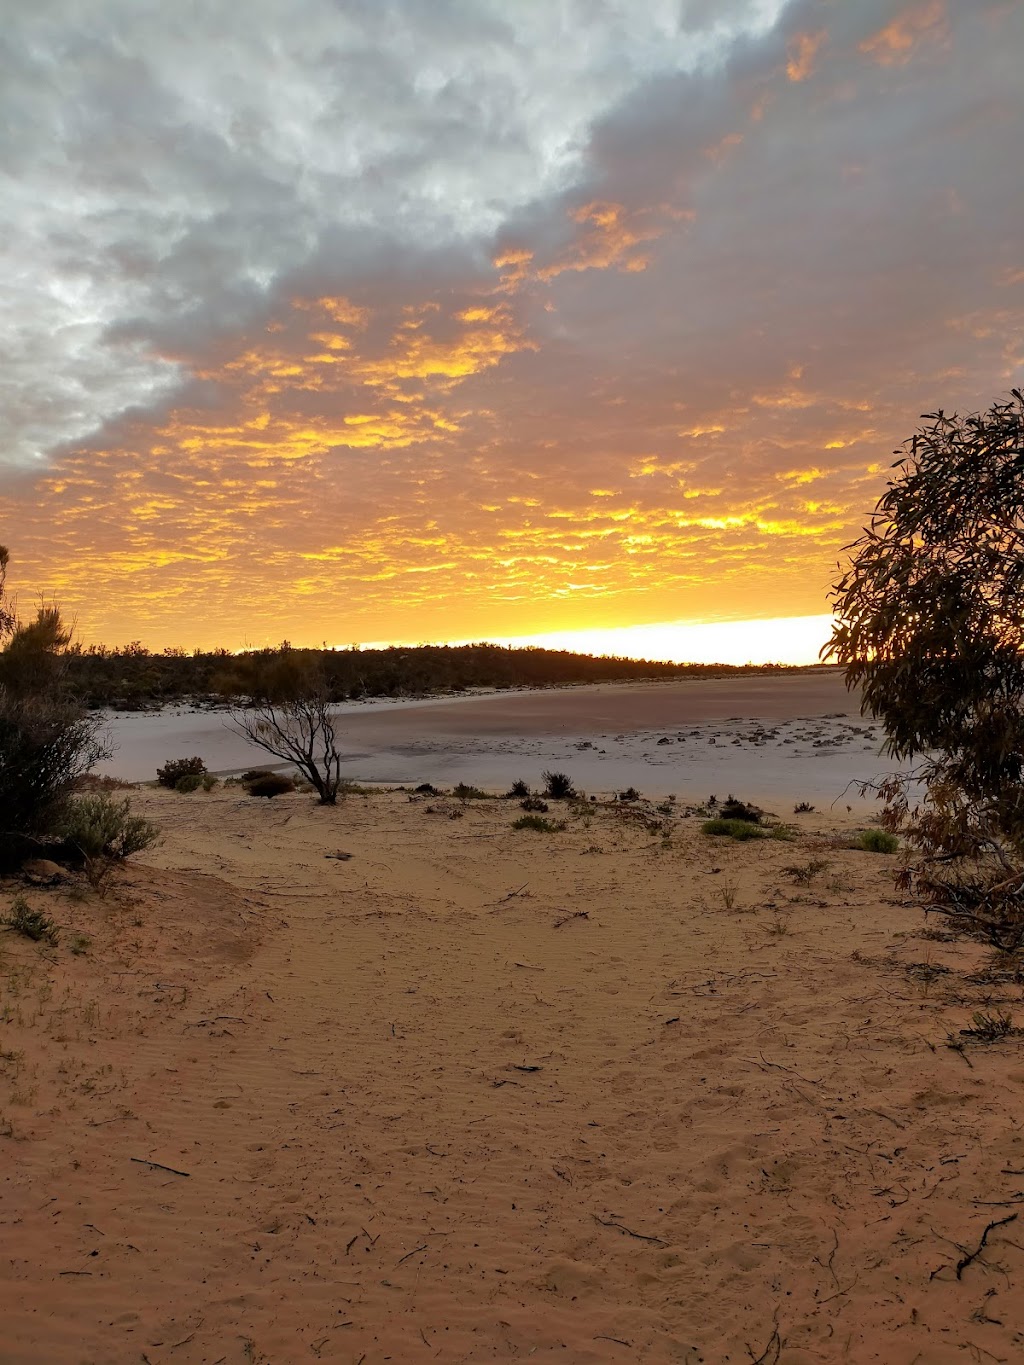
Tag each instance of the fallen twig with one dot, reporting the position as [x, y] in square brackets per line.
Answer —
[575, 914]
[766, 1357]
[158, 1166]
[621, 1227]
[970, 1256]
[414, 1252]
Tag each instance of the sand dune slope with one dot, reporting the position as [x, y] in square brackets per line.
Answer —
[475, 1094]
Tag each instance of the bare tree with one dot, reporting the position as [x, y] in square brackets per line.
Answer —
[300, 730]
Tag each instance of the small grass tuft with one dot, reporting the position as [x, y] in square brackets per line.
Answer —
[804, 873]
[539, 824]
[464, 792]
[33, 924]
[875, 841]
[989, 1027]
[741, 830]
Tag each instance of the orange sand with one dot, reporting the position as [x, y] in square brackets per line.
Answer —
[478, 1095]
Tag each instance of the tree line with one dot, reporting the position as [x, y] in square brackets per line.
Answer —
[133, 678]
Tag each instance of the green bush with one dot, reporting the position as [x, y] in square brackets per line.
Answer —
[270, 785]
[191, 782]
[876, 841]
[534, 803]
[518, 789]
[209, 782]
[465, 792]
[740, 830]
[254, 774]
[102, 828]
[538, 823]
[176, 768]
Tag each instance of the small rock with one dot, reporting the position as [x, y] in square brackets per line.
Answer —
[42, 872]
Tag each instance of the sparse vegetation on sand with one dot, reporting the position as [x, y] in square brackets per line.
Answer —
[31, 923]
[538, 824]
[740, 830]
[875, 841]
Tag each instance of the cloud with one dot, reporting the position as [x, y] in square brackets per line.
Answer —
[429, 321]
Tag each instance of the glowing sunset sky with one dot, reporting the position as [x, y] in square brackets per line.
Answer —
[356, 320]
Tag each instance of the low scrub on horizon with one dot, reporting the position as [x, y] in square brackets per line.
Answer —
[135, 678]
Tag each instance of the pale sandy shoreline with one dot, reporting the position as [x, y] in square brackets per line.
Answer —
[799, 737]
[617, 1093]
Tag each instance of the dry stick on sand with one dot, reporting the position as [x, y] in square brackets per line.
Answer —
[767, 1357]
[157, 1166]
[970, 1256]
[621, 1227]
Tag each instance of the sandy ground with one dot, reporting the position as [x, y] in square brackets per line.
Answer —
[801, 736]
[619, 1093]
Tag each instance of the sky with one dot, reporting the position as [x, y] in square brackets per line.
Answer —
[414, 320]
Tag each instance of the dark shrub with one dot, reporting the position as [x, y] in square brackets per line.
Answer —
[254, 774]
[558, 786]
[802, 808]
[272, 784]
[427, 789]
[630, 794]
[176, 768]
[740, 810]
[467, 793]
[534, 803]
[191, 782]
[519, 789]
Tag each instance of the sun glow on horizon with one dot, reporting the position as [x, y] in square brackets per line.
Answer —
[778, 640]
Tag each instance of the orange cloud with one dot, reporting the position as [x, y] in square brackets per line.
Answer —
[607, 240]
[895, 44]
[802, 51]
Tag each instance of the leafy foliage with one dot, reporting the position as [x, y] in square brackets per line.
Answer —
[47, 742]
[930, 627]
[102, 827]
[171, 774]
